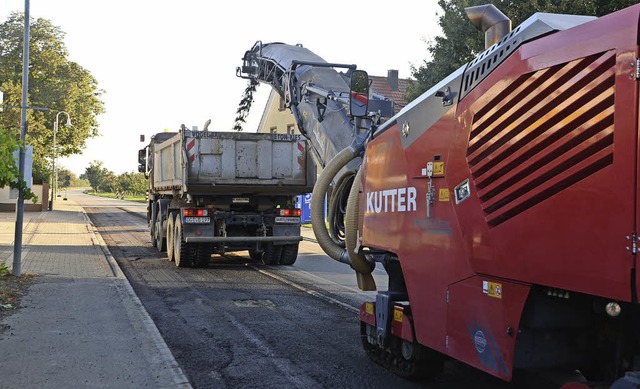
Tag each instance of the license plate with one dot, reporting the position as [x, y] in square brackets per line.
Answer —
[240, 200]
[284, 219]
[197, 220]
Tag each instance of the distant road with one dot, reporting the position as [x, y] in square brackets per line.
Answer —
[313, 266]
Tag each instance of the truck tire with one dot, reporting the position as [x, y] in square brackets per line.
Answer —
[160, 241]
[152, 232]
[180, 247]
[152, 228]
[289, 254]
[272, 254]
[170, 240]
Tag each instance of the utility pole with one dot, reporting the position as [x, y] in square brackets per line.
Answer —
[17, 246]
[54, 176]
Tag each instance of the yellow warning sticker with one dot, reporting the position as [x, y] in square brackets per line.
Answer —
[438, 169]
[368, 308]
[492, 289]
[397, 315]
[443, 194]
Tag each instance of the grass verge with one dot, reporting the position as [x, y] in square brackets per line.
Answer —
[111, 195]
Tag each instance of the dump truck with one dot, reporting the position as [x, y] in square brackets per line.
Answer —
[216, 192]
[503, 202]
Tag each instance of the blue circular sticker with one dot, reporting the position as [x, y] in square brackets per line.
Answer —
[480, 341]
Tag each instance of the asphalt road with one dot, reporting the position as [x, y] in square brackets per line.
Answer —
[243, 324]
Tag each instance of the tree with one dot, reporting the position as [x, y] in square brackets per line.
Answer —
[9, 172]
[98, 176]
[461, 42]
[109, 181]
[80, 183]
[133, 182]
[65, 177]
[55, 83]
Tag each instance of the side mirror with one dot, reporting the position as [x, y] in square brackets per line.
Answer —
[142, 157]
[359, 93]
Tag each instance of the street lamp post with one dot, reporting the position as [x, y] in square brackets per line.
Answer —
[53, 162]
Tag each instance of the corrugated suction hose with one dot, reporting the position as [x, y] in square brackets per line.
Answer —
[359, 263]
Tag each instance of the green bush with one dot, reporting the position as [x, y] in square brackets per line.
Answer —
[4, 269]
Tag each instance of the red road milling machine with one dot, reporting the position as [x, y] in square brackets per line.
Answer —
[503, 202]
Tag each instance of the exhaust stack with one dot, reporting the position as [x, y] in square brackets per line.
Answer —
[490, 20]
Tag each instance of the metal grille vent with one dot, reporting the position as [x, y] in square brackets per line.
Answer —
[546, 131]
[488, 60]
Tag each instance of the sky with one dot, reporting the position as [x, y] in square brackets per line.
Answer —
[166, 63]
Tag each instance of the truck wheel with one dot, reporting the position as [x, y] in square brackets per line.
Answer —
[154, 241]
[272, 254]
[203, 255]
[170, 239]
[289, 254]
[161, 243]
[180, 247]
[152, 230]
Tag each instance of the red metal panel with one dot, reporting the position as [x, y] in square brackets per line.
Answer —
[634, 120]
[385, 166]
[431, 251]
[549, 144]
[367, 313]
[552, 155]
[636, 105]
[401, 325]
[484, 315]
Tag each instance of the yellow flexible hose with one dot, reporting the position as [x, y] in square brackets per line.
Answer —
[359, 263]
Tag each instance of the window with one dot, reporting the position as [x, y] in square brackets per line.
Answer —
[291, 128]
[274, 130]
[281, 104]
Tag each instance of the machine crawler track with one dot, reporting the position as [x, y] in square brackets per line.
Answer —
[421, 365]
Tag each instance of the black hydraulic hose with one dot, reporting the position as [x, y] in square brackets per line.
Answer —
[317, 204]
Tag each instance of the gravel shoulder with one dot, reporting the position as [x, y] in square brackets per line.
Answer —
[12, 289]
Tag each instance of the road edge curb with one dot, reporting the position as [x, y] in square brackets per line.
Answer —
[164, 353]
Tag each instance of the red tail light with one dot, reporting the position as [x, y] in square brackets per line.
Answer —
[195, 212]
[290, 212]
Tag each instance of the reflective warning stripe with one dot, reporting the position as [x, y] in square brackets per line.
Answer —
[301, 150]
[190, 153]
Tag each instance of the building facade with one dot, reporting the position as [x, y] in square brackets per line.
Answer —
[277, 119]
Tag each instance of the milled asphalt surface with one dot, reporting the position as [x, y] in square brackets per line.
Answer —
[80, 324]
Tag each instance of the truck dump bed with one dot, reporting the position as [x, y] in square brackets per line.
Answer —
[204, 162]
